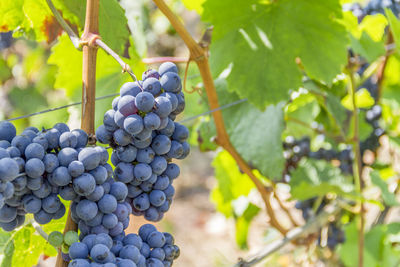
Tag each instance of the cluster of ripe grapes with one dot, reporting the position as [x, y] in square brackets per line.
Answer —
[140, 128]
[373, 7]
[38, 167]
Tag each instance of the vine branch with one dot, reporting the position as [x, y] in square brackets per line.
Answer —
[294, 234]
[358, 167]
[199, 54]
[71, 34]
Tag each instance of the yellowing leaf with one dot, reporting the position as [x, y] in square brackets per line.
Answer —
[375, 26]
[196, 5]
[363, 100]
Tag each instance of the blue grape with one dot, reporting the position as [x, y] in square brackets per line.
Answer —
[119, 191]
[172, 98]
[53, 136]
[126, 153]
[96, 220]
[8, 227]
[103, 153]
[20, 183]
[4, 143]
[141, 202]
[34, 183]
[68, 193]
[109, 121]
[162, 182]
[133, 239]
[99, 253]
[145, 250]
[157, 197]
[110, 221]
[107, 204]
[121, 212]
[164, 207]
[126, 263]
[115, 103]
[86, 209]
[158, 165]
[59, 213]
[41, 140]
[7, 131]
[151, 121]
[172, 171]
[114, 159]
[122, 138]
[117, 246]
[76, 168]
[146, 186]
[12, 152]
[103, 239]
[34, 150]
[167, 67]
[51, 203]
[150, 73]
[142, 171]
[153, 262]
[181, 133]
[181, 103]
[81, 136]
[169, 192]
[144, 101]
[176, 150]
[68, 139]
[186, 150]
[155, 239]
[43, 217]
[152, 214]
[163, 123]
[152, 85]
[145, 155]
[133, 124]
[161, 144]
[61, 176]
[133, 191]
[119, 119]
[163, 106]
[84, 185]
[31, 203]
[103, 135]
[67, 155]
[118, 229]
[130, 88]
[126, 105]
[78, 250]
[34, 168]
[21, 163]
[20, 142]
[97, 194]
[124, 172]
[142, 143]
[130, 252]
[50, 162]
[144, 134]
[100, 174]
[171, 82]
[61, 127]
[9, 169]
[43, 191]
[157, 253]
[79, 263]
[88, 240]
[90, 158]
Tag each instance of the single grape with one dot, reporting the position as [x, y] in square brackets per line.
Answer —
[171, 82]
[167, 67]
[152, 85]
[56, 238]
[7, 131]
[144, 101]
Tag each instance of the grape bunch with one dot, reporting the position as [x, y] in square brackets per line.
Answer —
[33, 168]
[149, 248]
[141, 130]
[335, 234]
[373, 7]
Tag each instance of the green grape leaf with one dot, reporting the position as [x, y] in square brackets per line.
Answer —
[363, 100]
[260, 44]
[378, 247]
[317, 178]
[205, 136]
[394, 25]
[366, 47]
[232, 184]
[243, 223]
[255, 134]
[388, 197]
[194, 5]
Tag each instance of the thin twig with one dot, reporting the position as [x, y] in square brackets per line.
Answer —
[200, 55]
[71, 34]
[357, 167]
[382, 67]
[108, 50]
[311, 226]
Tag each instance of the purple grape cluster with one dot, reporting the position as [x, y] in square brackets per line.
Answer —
[149, 248]
[141, 129]
[34, 168]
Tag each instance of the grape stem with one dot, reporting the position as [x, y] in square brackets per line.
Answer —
[311, 226]
[71, 34]
[199, 54]
[108, 50]
[357, 165]
[39, 230]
